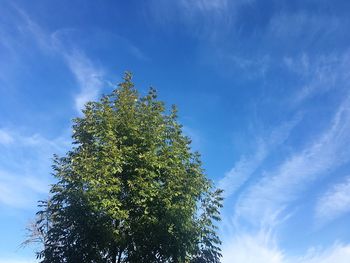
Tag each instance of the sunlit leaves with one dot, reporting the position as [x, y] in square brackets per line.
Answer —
[130, 189]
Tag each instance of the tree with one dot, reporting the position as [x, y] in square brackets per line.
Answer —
[130, 189]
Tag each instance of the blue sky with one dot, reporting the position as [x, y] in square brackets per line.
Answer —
[262, 87]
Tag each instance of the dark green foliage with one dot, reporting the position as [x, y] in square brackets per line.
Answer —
[130, 190]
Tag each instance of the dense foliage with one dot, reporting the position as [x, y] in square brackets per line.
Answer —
[130, 189]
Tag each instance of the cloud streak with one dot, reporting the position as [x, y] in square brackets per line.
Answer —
[11, 260]
[337, 253]
[263, 248]
[252, 248]
[88, 76]
[5, 138]
[21, 191]
[204, 5]
[334, 203]
[247, 166]
[25, 168]
[279, 188]
[321, 74]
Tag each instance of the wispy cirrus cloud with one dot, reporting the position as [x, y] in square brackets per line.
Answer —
[303, 25]
[266, 201]
[320, 74]
[247, 165]
[262, 247]
[285, 31]
[242, 171]
[88, 76]
[21, 191]
[252, 248]
[5, 137]
[25, 167]
[11, 260]
[339, 253]
[334, 203]
[204, 5]
[279, 188]
[202, 19]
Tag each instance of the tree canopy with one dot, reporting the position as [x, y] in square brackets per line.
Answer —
[130, 189]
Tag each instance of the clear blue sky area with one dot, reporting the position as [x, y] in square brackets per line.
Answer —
[262, 88]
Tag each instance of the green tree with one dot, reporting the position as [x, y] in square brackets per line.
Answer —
[130, 189]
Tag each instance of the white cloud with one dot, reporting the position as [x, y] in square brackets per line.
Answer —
[262, 248]
[11, 260]
[204, 5]
[247, 248]
[252, 66]
[25, 168]
[334, 203]
[20, 190]
[282, 186]
[5, 137]
[337, 253]
[320, 74]
[205, 19]
[29, 27]
[302, 25]
[242, 171]
[88, 76]
[246, 166]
